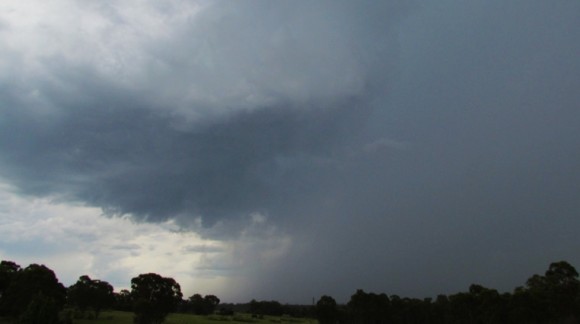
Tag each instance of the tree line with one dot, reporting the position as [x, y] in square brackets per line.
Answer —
[550, 298]
[34, 295]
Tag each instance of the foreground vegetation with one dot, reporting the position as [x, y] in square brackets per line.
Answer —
[119, 317]
[34, 295]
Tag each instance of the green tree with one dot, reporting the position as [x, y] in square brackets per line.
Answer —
[89, 293]
[522, 308]
[40, 310]
[211, 302]
[203, 305]
[154, 297]
[556, 292]
[26, 285]
[272, 307]
[196, 302]
[489, 306]
[8, 270]
[326, 310]
[369, 307]
[123, 301]
[440, 309]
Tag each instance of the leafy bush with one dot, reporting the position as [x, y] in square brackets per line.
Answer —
[40, 310]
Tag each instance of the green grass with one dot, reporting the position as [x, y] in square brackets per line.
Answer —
[116, 317]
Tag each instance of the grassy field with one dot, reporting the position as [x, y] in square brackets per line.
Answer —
[115, 317]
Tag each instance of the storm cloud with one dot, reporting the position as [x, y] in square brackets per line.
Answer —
[202, 122]
[404, 147]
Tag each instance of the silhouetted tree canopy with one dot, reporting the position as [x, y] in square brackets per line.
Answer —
[326, 310]
[40, 310]
[272, 307]
[203, 305]
[34, 283]
[154, 297]
[34, 295]
[89, 293]
[550, 298]
[556, 294]
[368, 307]
[123, 300]
[8, 270]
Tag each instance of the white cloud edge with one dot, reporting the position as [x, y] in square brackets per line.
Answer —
[75, 240]
[125, 45]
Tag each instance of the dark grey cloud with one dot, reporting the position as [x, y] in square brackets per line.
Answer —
[129, 162]
[156, 153]
[470, 169]
[407, 149]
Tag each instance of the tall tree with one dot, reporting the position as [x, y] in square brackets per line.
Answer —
[369, 307]
[555, 293]
[265, 307]
[123, 301]
[29, 283]
[8, 271]
[154, 297]
[211, 302]
[203, 305]
[40, 310]
[326, 310]
[196, 302]
[89, 293]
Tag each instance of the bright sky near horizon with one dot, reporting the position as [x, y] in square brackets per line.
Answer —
[285, 150]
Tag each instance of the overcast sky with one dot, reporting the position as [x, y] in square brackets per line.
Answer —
[289, 149]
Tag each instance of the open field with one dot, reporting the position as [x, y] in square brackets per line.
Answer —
[116, 317]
